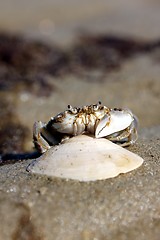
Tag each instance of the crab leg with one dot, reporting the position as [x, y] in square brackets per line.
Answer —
[130, 134]
[39, 141]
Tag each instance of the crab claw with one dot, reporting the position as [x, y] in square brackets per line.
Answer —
[116, 121]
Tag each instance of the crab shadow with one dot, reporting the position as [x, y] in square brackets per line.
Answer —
[10, 158]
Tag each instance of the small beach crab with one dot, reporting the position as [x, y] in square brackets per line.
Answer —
[117, 125]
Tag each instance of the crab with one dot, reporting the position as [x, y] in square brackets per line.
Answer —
[117, 125]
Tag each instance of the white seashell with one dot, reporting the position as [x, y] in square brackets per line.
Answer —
[85, 158]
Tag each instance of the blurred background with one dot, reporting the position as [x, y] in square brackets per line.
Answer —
[55, 53]
[60, 21]
[59, 52]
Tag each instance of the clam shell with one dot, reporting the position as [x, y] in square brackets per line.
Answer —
[85, 158]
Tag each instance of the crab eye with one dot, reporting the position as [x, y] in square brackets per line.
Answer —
[95, 107]
[73, 110]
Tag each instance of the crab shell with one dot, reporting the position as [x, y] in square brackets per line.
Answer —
[109, 121]
[85, 158]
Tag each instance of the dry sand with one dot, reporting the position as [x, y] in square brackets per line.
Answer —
[125, 207]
